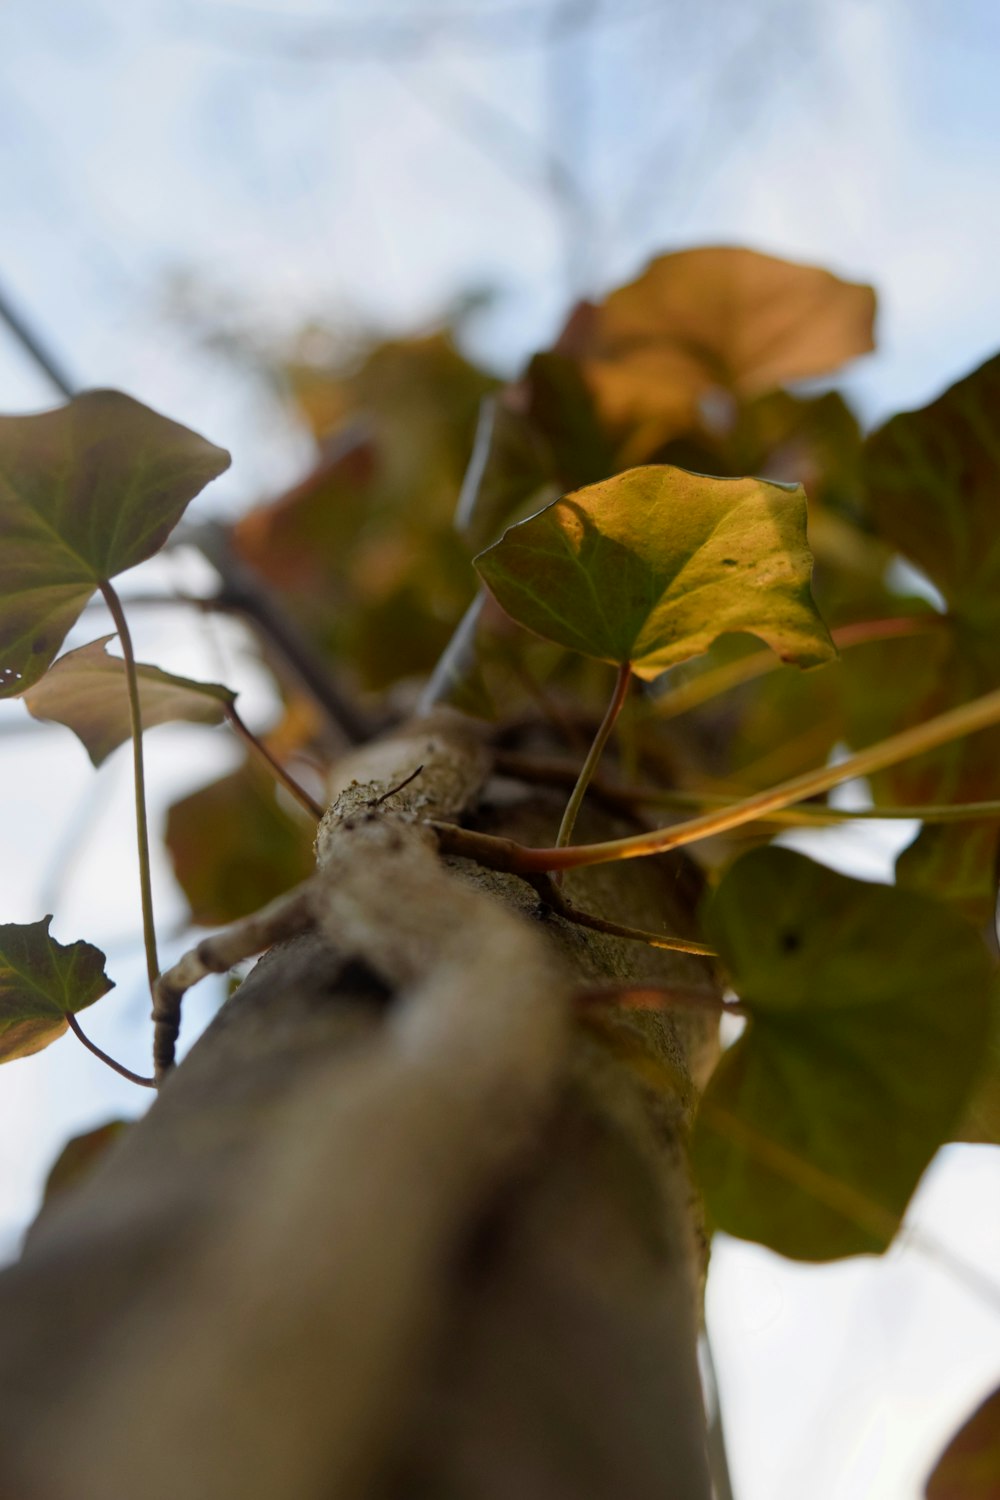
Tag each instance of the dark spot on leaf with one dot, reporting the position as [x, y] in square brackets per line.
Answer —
[730, 562]
[789, 941]
[40, 647]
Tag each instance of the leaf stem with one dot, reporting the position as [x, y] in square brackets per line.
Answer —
[553, 771]
[658, 997]
[980, 713]
[77, 1030]
[520, 859]
[589, 766]
[139, 775]
[273, 764]
[553, 897]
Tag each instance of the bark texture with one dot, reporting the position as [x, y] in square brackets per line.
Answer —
[400, 1225]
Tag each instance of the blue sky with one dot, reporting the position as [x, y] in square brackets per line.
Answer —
[288, 169]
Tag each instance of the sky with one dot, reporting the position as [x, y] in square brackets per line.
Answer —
[177, 170]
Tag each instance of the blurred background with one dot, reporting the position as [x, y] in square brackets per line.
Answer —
[194, 188]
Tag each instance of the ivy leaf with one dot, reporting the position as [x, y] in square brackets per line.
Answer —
[651, 566]
[980, 1123]
[957, 862]
[86, 491]
[931, 480]
[969, 1468]
[869, 1014]
[87, 691]
[365, 546]
[234, 847]
[721, 318]
[40, 981]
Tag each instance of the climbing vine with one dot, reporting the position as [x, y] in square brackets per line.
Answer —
[599, 551]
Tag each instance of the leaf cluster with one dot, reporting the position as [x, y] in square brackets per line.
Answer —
[674, 506]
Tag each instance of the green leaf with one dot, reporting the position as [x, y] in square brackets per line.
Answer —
[980, 1123]
[234, 846]
[957, 862]
[869, 1014]
[931, 481]
[40, 981]
[932, 478]
[969, 1468]
[86, 690]
[651, 566]
[86, 491]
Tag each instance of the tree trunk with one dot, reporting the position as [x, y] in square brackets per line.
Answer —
[407, 1221]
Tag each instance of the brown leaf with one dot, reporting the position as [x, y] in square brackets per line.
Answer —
[87, 691]
[234, 846]
[715, 319]
[969, 1468]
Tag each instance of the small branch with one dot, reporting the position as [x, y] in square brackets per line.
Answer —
[978, 714]
[455, 659]
[76, 1029]
[658, 997]
[35, 348]
[277, 770]
[553, 897]
[141, 825]
[519, 859]
[541, 770]
[398, 787]
[594, 755]
[475, 469]
[282, 918]
[244, 592]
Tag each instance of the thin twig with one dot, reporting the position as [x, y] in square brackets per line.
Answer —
[980, 713]
[398, 787]
[501, 139]
[658, 997]
[34, 346]
[274, 765]
[77, 1030]
[383, 34]
[543, 770]
[456, 658]
[141, 824]
[520, 859]
[553, 897]
[245, 592]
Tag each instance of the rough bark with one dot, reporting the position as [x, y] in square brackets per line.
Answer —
[397, 1226]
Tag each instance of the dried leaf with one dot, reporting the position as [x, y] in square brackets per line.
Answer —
[87, 691]
[969, 1468]
[234, 846]
[720, 318]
